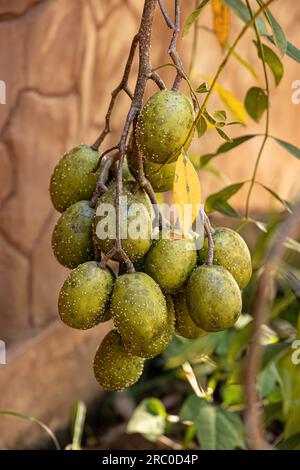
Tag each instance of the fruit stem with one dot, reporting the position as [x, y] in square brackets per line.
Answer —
[209, 232]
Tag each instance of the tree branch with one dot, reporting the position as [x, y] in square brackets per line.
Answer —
[261, 307]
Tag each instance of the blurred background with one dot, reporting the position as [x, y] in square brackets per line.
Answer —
[60, 60]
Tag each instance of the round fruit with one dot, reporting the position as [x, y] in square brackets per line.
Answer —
[184, 325]
[164, 125]
[161, 176]
[169, 261]
[72, 236]
[84, 298]
[73, 179]
[114, 368]
[213, 298]
[231, 252]
[136, 214]
[139, 312]
[158, 345]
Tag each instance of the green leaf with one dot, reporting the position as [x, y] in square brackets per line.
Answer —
[256, 102]
[293, 443]
[272, 60]
[201, 127]
[223, 195]
[33, 420]
[149, 419]
[225, 208]
[220, 115]
[278, 34]
[202, 88]
[267, 379]
[285, 204]
[223, 135]
[292, 51]
[217, 428]
[292, 149]
[224, 148]
[233, 394]
[242, 11]
[193, 17]
[235, 106]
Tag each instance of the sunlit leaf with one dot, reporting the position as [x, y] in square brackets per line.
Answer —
[256, 102]
[221, 21]
[272, 60]
[78, 416]
[235, 106]
[278, 34]
[201, 126]
[186, 192]
[246, 64]
[148, 419]
[193, 17]
[202, 88]
[223, 135]
[223, 195]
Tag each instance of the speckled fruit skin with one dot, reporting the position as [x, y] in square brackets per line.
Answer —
[184, 325]
[213, 298]
[114, 368]
[135, 248]
[73, 179]
[72, 235]
[169, 262]
[84, 297]
[231, 252]
[139, 312]
[161, 342]
[161, 176]
[164, 125]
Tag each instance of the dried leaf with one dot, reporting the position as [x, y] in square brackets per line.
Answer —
[221, 21]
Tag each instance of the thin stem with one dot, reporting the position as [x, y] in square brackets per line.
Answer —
[194, 47]
[123, 85]
[101, 183]
[224, 63]
[267, 126]
[156, 78]
[169, 22]
[209, 233]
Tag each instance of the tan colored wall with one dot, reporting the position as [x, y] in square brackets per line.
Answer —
[60, 60]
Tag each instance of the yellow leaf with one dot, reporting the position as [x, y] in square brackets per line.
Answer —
[186, 192]
[235, 106]
[222, 23]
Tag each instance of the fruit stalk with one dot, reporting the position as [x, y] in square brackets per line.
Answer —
[209, 232]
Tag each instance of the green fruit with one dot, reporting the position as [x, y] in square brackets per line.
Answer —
[114, 368]
[72, 236]
[164, 125]
[169, 262]
[161, 176]
[73, 179]
[184, 325]
[139, 312]
[84, 298]
[136, 243]
[213, 298]
[231, 252]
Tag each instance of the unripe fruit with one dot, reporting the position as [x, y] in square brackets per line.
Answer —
[139, 312]
[161, 176]
[136, 223]
[114, 368]
[73, 179]
[169, 262]
[85, 295]
[213, 298]
[231, 252]
[184, 325]
[158, 345]
[164, 125]
[72, 236]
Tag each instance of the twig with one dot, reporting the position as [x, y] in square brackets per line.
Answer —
[101, 183]
[209, 232]
[123, 85]
[260, 309]
[102, 155]
[156, 78]
[267, 126]
[165, 15]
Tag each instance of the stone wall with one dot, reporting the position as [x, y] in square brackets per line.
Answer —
[60, 60]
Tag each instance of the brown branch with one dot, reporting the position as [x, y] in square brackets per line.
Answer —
[101, 183]
[209, 233]
[123, 85]
[169, 22]
[172, 48]
[261, 306]
[156, 78]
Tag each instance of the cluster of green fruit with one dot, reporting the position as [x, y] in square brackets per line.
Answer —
[173, 290]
